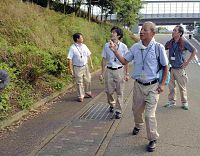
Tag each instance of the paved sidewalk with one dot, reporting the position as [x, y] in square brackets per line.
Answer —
[89, 121]
[33, 132]
[85, 135]
[178, 129]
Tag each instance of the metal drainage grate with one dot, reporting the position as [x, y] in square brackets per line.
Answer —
[98, 111]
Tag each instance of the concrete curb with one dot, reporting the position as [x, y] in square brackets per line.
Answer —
[19, 115]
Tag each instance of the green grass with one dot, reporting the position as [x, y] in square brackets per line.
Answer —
[33, 49]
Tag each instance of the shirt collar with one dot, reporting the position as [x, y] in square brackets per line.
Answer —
[117, 42]
[142, 47]
[76, 44]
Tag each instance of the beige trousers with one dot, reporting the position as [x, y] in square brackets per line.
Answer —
[83, 80]
[114, 82]
[178, 76]
[145, 100]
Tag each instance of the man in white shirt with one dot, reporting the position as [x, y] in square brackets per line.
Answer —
[78, 57]
[115, 72]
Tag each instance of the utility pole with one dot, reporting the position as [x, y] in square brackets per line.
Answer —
[64, 6]
[89, 11]
[48, 4]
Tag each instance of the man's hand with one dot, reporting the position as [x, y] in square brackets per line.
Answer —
[101, 78]
[126, 77]
[113, 46]
[160, 88]
[184, 65]
[72, 73]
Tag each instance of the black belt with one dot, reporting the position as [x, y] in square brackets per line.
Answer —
[175, 67]
[148, 83]
[114, 68]
[78, 66]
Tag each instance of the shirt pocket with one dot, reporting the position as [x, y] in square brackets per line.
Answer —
[85, 54]
[138, 59]
[152, 58]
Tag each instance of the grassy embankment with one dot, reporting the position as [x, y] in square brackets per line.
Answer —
[33, 47]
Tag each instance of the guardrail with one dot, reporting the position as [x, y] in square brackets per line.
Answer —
[197, 37]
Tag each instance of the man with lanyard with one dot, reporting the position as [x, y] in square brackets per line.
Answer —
[146, 86]
[115, 73]
[78, 58]
[176, 47]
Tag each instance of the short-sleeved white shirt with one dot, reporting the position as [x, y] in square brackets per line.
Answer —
[110, 57]
[146, 57]
[79, 53]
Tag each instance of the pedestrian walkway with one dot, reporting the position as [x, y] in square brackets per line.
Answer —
[36, 129]
[178, 129]
[85, 135]
[83, 126]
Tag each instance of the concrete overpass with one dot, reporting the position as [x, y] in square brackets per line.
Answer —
[170, 12]
[170, 19]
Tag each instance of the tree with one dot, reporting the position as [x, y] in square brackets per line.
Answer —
[78, 6]
[127, 11]
[105, 5]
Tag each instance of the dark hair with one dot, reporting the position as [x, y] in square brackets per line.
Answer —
[180, 30]
[180, 41]
[118, 31]
[76, 36]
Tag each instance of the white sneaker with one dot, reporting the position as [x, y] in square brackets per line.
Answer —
[185, 106]
[170, 104]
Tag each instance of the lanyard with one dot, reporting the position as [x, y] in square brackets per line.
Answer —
[143, 58]
[174, 49]
[80, 51]
[115, 59]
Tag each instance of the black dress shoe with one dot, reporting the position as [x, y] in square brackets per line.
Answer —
[87, 95]
[111, 109]
[117, 115]
[151, 146]
[135, 131]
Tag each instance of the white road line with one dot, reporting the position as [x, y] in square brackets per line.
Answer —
[196, 41]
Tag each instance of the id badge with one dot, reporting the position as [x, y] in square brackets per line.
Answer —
[172, 58]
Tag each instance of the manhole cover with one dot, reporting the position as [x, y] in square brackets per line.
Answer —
[99, 111]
